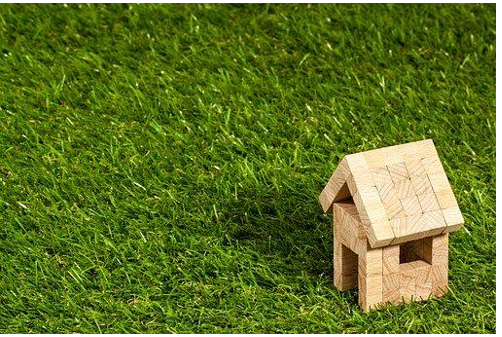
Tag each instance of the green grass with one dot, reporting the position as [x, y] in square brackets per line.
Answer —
[160, 165]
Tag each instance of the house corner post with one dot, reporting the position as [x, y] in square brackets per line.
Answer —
[370, 278]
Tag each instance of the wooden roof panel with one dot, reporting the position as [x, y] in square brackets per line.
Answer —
[401, 192]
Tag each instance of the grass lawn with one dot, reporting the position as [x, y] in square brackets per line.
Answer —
[160, 165]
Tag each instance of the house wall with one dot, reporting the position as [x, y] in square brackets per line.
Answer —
[379, 274]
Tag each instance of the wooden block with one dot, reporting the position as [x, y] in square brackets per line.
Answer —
[337, 280]
[439, 275]
[407, 281]
[426, 148]
[392, 155]
[392, 204]
[351, 184]
[401, 229]
[359, 172]
[432, 165]
[336, 188]
[421, 185]
[398, 172]
[381, 176]
[388, 192]
[350, 229]
[349, 269]
[453, 218]
[337, 264]
[371, 263]
[408, 154]
[345, 267]
[411, 205]
[328, 195]
[428, 202]
[423, 282]
[404, 189]
[370, 278]
[436, 249]
[428, 249]
[423, 291]
[390, 260]
[375, 158]
[349, 239]
[439, 182]
[446, 199]
[435, 219]
[338, 218]
[349, 261]
[427, 224]
[355, 182]
[344, 208]
[369, 205]
[351, 209]
[436, 223]
[417, 227]
[380, 234]
[370, 291]
[415, 168]
[361, 295]
[346, 213]
[450, 229]
[417, 150]
[390, 288]
[417, 224]
[394, 210]
[345, 232]
[419, 264]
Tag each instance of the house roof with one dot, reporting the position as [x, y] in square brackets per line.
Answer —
[401, 192]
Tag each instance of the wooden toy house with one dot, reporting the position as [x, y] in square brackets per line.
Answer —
[393, 209]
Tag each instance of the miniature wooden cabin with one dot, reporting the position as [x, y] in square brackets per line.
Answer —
[393, 209]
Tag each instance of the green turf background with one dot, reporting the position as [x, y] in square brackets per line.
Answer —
[160, 165]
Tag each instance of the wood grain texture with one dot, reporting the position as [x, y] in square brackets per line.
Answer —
[446, 199]
[345, 267]
[423, 282]
[439, 275]
[391, 288]
[404, 189]
[375, 158]
[407, 281]
[380, 176]
[348, 228]
[390, 259]
[415, 168]
[398, 172]
[428, 202]
[439, 182]
[336, 188]
[392, 155]
[411, 205]
[418, 150]
[436, 249]
[421, 185]
[432, 165]
[453, 218]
